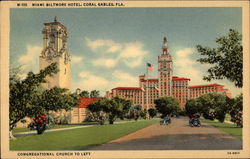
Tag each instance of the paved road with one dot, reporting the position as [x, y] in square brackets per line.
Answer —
[176, 136]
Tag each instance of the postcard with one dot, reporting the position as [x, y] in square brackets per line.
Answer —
[125, 79]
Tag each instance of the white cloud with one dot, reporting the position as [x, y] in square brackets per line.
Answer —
[122, 78]
[132, 54]
[30, 59]
[118, 78]
[90, 81]
[185, 52]
[133, 62]
[76, 59]
[129, 53]
[106, 62]
[133, 50]
[114, 48]
[183, 59]
[111, 46]
[186, 66]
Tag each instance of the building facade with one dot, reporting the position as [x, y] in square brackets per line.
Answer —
[165, 85]
[80, 112]
[196, 91]
[180, 90]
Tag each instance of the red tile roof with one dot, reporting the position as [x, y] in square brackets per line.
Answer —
[175, 78]
[85, 102]
[127, 88]
[208, 85]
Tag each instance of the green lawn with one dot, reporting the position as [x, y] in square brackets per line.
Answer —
[231, 129]
[25, 129]
[78, 139]
[19, 130]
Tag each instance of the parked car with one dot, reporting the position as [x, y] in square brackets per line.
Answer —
[165, 121]
[194, 121]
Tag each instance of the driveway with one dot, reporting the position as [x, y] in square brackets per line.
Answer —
[176, 136]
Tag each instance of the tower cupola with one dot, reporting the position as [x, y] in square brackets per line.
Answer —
[165, 46]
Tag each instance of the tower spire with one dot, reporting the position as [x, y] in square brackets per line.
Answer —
[165, 46]
[165, 40]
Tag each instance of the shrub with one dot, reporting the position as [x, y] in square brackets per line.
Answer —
[38, 123]
[99, 117]
[152, 112]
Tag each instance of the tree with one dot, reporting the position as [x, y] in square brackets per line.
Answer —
[236, 110]
[166, 105]
[14, 74]
[126, 107]
[84, 94]
[23, 93]
[152, 112]
[53, 99]
[56, 99]
[193, 107]
[97, 111]
[115, 108]
[94, 94]
[207, 107]
[227, 59]
[134, 112]
[177, 111]
[28, 99]
[143, 114]
[214, 106]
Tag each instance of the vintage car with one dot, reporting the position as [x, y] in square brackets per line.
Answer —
[194, 121]
[165, 121]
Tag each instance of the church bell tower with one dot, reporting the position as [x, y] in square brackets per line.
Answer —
[55, 49]
[165, 71]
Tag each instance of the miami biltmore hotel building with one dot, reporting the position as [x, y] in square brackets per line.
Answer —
[165, 85]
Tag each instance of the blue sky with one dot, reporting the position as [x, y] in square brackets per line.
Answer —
[110, 46]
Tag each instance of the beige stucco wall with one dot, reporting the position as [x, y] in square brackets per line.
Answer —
[78, 115]
[20, 124]
[60, 79]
